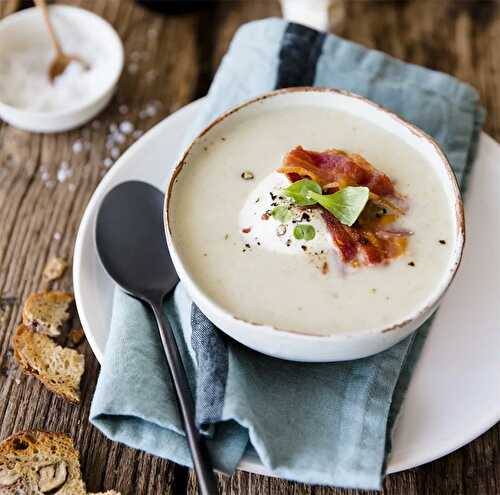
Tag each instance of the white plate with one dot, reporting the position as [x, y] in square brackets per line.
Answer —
[454, 395]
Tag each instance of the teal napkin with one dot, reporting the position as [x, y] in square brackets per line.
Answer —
[318, 423]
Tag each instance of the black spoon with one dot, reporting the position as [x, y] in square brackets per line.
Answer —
[131, 244]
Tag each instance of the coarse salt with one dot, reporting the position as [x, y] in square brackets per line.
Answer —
[24, 81]
[64, 172]
[132, 68]
[126, 127]
[119, 137]
[77, 147]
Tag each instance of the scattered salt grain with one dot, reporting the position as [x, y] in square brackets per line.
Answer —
[137, 134]
[126, 127]
[113, 128]
[108, 162]
[150, 75]
[61, 175]
[152, 32]
[77, 147]
[57, 236]
[135, 56]
[132, 68]
[119, 137]
[150, 110]
[123, 109]
[115, 152]
[64, 171]
[71, 187]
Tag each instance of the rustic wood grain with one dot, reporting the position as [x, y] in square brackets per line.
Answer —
[38, 221]
[169, 62]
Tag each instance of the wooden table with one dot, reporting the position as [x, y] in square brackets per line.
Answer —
[170, 62]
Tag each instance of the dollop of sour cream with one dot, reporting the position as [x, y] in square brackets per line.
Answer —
[24, 82]
[259, 229]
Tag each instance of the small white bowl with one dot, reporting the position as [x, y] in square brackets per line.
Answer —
[27, 26]
[341, 346]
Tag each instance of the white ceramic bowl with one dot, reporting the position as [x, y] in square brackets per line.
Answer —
[27, 26]
[336, 347]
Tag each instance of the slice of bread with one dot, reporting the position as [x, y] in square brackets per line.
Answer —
[41, 463]
[38, 463]
[47, 312]
[59, 369]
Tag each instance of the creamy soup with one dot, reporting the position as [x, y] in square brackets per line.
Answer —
[231, 250]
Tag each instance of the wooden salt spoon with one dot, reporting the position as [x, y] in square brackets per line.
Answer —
[61, 60]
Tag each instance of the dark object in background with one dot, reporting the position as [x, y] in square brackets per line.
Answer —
[175, 6]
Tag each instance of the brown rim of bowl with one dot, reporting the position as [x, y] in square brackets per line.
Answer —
[459, 207]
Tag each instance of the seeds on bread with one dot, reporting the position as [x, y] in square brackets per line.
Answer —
[37, 463]
[41, 463]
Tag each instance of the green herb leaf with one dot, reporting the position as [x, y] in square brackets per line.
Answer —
[304, 231]
[282, 214]
[299, 191]
[346, 205]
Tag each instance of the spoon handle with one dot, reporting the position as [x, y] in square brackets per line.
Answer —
[42, 5]
[199, 452]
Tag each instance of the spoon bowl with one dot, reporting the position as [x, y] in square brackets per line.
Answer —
[131, 241]
[61, 62]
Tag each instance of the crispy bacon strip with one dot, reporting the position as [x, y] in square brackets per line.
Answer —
[334, 169]
[369, 241]
[362, 246]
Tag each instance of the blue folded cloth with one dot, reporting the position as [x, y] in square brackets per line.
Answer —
[318, 423]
